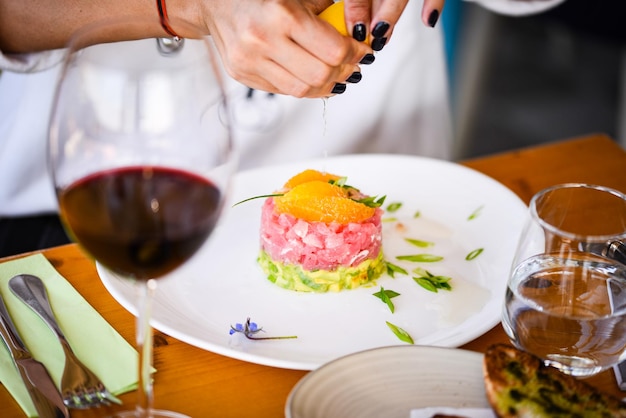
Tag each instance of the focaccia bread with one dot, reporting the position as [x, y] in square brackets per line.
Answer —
[518, 384]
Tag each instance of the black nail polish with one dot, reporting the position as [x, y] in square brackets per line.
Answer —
[378, 43]
[367, 59]
[339, 88]
[355, 77]
[433, 17]
[358, 32]
[380, 29]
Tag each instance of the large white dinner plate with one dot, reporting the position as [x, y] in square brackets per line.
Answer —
[460, 210]
[390, 382]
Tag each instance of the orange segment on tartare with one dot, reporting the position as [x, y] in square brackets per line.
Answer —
[312, 198]
[309, 175]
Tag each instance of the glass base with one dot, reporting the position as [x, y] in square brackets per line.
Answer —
[155, 413]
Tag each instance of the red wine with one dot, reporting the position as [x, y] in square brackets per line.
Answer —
[141, 222]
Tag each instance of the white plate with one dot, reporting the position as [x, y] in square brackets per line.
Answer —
[390, 382]
[223, 285]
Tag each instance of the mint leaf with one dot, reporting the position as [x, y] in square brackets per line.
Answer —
[385, 296]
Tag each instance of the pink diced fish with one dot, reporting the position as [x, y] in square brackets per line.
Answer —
[318, 245]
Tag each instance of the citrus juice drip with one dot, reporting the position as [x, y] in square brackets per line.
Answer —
[324, 127]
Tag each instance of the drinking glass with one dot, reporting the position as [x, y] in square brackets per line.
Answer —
[566, 296]
[141, 156]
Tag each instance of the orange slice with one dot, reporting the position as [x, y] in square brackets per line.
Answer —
[319, 201]
[309, 175]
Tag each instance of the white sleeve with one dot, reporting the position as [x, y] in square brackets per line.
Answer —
[518, 7]
[32, 62]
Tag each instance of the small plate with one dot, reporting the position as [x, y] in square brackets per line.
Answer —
[390, 382]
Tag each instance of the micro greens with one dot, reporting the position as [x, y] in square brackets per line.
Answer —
[341, 182]
[372, 201]
[419, 243]
[392, 269]
[250, 329]
[393, 207]
[420, 258]
[258, 197]
[431, 282]
[386, 296]
[400, 333]
[472, 255]
[475, 214]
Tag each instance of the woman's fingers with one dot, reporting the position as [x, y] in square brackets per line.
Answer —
[431, 11]
[376, 17]
[358, 16]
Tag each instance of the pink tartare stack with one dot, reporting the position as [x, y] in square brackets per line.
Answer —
[316, 238]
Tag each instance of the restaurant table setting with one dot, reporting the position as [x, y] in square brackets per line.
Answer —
[331, 369]
[95, 342]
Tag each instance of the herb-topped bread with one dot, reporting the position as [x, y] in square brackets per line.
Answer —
[518, 384]
[319, 234]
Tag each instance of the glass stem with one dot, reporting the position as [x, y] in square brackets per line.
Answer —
[144, 346]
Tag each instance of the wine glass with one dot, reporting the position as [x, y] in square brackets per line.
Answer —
[141, 157]
[566, 296]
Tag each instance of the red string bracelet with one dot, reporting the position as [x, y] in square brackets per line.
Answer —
[165, 21]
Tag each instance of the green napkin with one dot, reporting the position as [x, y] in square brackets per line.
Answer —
[94, 341]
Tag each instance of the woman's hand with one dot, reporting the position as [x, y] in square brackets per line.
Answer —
[281, 46]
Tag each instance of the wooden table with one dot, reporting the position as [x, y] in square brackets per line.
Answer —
[202, 384]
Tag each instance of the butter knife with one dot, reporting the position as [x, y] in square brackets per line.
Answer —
[41, 388]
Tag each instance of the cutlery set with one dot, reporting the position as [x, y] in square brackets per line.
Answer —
[80, 387]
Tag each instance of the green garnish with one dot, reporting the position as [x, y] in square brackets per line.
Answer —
[420, 258]
[417, 214]
[385, 296]
[258, 197]
[392, 269]
[419, 242]
[431, 282]
[392, 219]
[474, 254]
[394, 206]
[400, 333]
[475, 214]
[372, 201]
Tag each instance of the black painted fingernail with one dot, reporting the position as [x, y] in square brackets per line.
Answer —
[367, 59]
[378, 43]
[355, 77]
[358, 32]
[339, 88]
[380, 29]
[433, 17]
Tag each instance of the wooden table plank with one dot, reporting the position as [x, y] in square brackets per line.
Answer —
[202, 384]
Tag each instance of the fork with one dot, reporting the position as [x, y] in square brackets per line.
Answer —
[80, 387]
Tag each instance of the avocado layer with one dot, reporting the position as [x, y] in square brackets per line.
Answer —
[294, 277]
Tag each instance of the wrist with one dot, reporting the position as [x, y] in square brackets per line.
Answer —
[188, 11]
